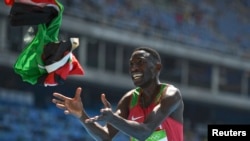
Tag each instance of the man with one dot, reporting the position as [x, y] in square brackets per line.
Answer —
[153, 111]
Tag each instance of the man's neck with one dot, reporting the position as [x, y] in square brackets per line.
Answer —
[148, 94]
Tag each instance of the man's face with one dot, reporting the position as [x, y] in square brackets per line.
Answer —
[141, 68]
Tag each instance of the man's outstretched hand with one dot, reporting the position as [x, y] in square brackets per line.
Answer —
[72, 106]
[106, 112]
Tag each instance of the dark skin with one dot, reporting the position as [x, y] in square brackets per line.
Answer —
[144, 72]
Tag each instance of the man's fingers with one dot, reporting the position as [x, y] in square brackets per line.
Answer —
[105, 101]
[78, 93]
[61, 106]
[56, 101]
[60, 96]
[66, 112]
[63, 98]
[93, 119]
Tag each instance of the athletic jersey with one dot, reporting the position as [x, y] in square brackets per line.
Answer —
[169, 130]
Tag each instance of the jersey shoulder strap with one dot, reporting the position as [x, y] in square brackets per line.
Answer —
[135, 97]
[136, 93]
[162, 90]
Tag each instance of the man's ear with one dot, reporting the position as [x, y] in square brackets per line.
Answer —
[158, 66]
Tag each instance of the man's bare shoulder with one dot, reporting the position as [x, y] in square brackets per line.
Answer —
[172, 90]
[123, 104]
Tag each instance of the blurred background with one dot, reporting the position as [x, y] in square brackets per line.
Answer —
[204, 45]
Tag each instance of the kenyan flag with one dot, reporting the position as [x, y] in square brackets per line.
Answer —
[45, 60]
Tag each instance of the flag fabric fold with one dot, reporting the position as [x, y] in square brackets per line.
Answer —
[45, 60]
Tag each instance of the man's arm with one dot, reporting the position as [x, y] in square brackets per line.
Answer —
[104, 133]
[122, 111]
[101, 133]
[171, 100]
[75, 107]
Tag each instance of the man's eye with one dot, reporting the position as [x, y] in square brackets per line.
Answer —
[140, 62]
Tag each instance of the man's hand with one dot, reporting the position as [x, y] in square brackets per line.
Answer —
[106, 112]
[72, 106]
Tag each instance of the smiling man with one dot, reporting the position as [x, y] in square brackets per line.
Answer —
[152, 111]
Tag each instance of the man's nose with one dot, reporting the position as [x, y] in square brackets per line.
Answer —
[134, 68]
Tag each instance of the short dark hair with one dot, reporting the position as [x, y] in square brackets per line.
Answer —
[151, 51]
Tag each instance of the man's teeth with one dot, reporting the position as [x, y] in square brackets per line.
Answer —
[137, 76]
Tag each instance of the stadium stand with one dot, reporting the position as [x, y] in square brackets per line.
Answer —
[206, 23]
